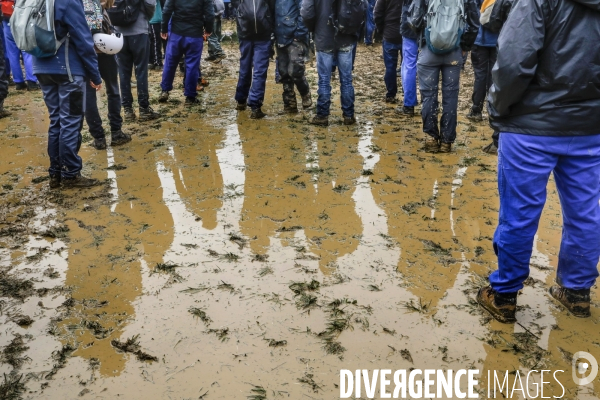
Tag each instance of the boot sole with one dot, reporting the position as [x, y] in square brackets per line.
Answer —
[574, 313]
[498, 317]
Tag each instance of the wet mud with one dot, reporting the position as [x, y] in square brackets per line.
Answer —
[227, 258]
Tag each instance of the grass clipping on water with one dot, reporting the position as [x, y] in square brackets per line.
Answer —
[132, 345]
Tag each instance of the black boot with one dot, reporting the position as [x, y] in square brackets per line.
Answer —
[257, 113]
[118, 138]
[3, 111]
[148, 114]
[79, 182]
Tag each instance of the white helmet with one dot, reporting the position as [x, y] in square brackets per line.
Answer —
[108, 44]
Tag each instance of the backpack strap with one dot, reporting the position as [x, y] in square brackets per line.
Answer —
[65, 40]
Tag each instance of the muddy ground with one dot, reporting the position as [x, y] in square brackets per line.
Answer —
[227, 258]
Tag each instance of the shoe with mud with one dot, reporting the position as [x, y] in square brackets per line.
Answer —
[211, 58]
[349, 120]
[220, 58]
[118, 138]
[391, 100]
[20, 86]
[306, 101]
[257, 114]
[319, 120]
[290, 109]
[99, 144]
[445, 148]
[79, 182]
[577, 302]
[3, 111]
[501, 306]
[241, 106]
[192, 101]
[203, 82]
[164, 97]
[54, 181]
[129, 114]
[491, 149]
[475, 116]
[148, 114]
[431, 145]
[404, 110]
[32, 86]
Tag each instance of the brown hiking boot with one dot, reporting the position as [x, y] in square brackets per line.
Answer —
[79, 182]
[431, 144]
[290, 109]
[306, 101]
[503, 312]
[349, 120]
[445, 147]
[320, 120]
[54, 181]
[257, 113]
[164, 97]
[148, 114]
[241, 106]
[577, 302]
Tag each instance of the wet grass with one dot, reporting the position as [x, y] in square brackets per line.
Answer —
[222, 334]
[97, 330]
[265, 271]
[306, 302]
[257, 393]
[341, 188]
[301, 287]
[226, 286]
[260, 257]
[201, 314]
[276, 343]
[191, 290]
[60, 358]
[132, 345]
[230, 257]
[406, 355]
[308, 379]
[12, 354]
[412, 207]
[332, 346]
[13, 287]
[170, 269]
[237, 239]
[435, 248]
[416, 306]
[13, 387]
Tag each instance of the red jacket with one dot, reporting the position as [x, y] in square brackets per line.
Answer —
[7, 8]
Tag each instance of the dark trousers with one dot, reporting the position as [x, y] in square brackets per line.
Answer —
[177, 47]
[66, 106]
[429, 68]
[3, 73]
[390, 59]
[483, 59]
[157, 45]
[109, 71]
[254, 65]
[290, 64]
[134, 55]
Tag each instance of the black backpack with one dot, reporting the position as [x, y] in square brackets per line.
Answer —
[254, 18]
[348, 16]
[124, 12]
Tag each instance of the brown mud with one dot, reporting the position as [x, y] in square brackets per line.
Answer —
[227, 258]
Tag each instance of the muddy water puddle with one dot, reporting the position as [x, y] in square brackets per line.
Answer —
[226, 257]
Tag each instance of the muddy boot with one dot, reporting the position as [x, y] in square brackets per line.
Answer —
[577, 302]
[3, 111]
[148, 114]
[20, 86]
[306, 101]
[241, 106]
[445, 148]
[54, 181]
[129, 114]
[99, 144]
[502, 306]
[320, 120]
[349, 120]
[431, 144]
[391, 100]
[257, 113]
[79, 182]
[290, 105]
[164, 97]
[32, 86]
[491, 149]
[475, 115]
[192, 101]
[407, 111]
[118, 138]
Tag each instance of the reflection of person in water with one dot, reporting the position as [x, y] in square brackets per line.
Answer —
[280, 196]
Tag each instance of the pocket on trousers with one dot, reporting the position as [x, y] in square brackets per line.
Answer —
[76, 103]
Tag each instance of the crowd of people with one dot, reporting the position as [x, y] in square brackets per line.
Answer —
[538, 60]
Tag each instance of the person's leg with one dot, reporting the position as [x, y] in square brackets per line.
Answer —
[284, 67]
[141, 46]
[72, 109]
[193, 52]
[3, 80]
[28, 63]
[155, 44]
[524, 166]
[410, 52]
[450, 87]
[346, 88]
[245, 74]
[107, 65]
[172, 59]
[390, 60]
[577, 175]
[214, 40]
[92, 115]
[50, 93]
[480, 61]
[125, 58]
[324, 70]
[259, 73]
[370, 23]
[428, 69]
[13, 53]
[298, 55]
[492, 55]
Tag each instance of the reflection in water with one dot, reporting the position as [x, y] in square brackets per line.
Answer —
[112, 176]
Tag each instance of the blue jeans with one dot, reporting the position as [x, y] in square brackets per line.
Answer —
[66, 107]
[14, 56]
[254, 66]
[429, 68]
[370, 22]
[410, 52]
[390, 59]
[214, 40]
[177, 47]
[324, 66]
[524, 166]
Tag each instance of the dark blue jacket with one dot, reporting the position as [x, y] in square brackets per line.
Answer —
[288, 23]
[405, 29]
[485, 37]
[69, 18]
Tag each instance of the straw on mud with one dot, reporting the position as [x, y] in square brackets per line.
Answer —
[257, 393]
[13, 387]
[222, 334]
[12, 353]
[132, 346]
[308, 379]
[265, 271]
[199, 313]
[276, 343]
[419, 306]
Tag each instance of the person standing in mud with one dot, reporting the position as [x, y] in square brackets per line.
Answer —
[446, 61]
[3, 81]
[333, 48]
[215, 51]
[109, 71]
[292, 52]
[63, 85]
[387, 15]
[410, 52]
[544, 101]
[184, 25]
[255, 26]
